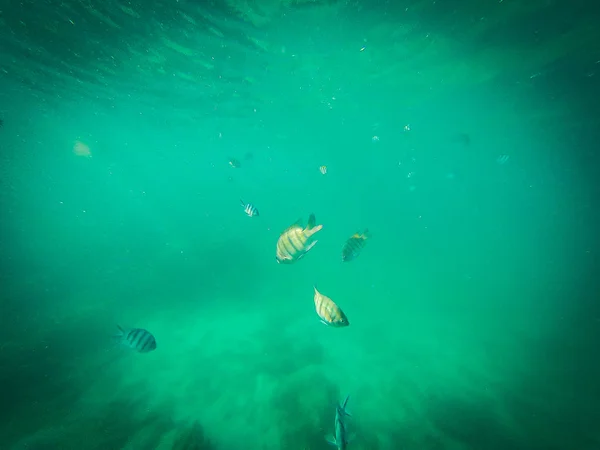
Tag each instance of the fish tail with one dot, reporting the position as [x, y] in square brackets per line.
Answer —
[311, 221]
[120, 336]
[344, 406]
[312, 230]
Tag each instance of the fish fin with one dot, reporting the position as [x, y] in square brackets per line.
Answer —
[324, 323]
[120, 336]
[330, 440]
[344, 406]
[366, 233]
[296, 224]
[311, 221]
[242, 202]
[310, 231]
[311, 245]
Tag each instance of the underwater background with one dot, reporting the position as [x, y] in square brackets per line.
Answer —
[462, 134]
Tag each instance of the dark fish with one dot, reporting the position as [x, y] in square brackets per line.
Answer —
[1, 123]
[137, 339]
[354, 245]
[235, 163]
[340, 438]
[296, 241]
[330, 313]
[249, 209]
[462, 139]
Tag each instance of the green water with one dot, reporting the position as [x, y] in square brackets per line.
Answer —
[474, 319]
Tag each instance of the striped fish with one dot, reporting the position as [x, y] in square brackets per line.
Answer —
[296, 241]
[249, 209]
[354, 245]
[330, 313]
[137, 339]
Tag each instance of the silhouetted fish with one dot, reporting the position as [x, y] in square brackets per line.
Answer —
[192, 438]
[462, 139]
[137, 339]
[340, 438]
[354, 245]
[1, 123]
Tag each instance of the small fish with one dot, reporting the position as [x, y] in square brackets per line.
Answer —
[137, 339]
[249, 209]
[330, 313]
[354, 245]
[235, 163]
[81, 149]
[1, 123]
[462, 139]
[502, 159]
[340, 439]
[323, 170]
[296, 241]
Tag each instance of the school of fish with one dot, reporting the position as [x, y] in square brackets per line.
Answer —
[292, 245]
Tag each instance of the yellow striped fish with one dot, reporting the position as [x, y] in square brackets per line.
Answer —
[354, 245]
[296, 241]
[329, 312]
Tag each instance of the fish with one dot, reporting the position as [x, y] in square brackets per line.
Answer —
[1, 123]
[354, 245]
[249, 209]
[81, 149]
[329, 313]
[296, 241]
[323, 170]
[340, 438]
[235, 163]
[462, 139]
[138, 339]
[502, 159]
